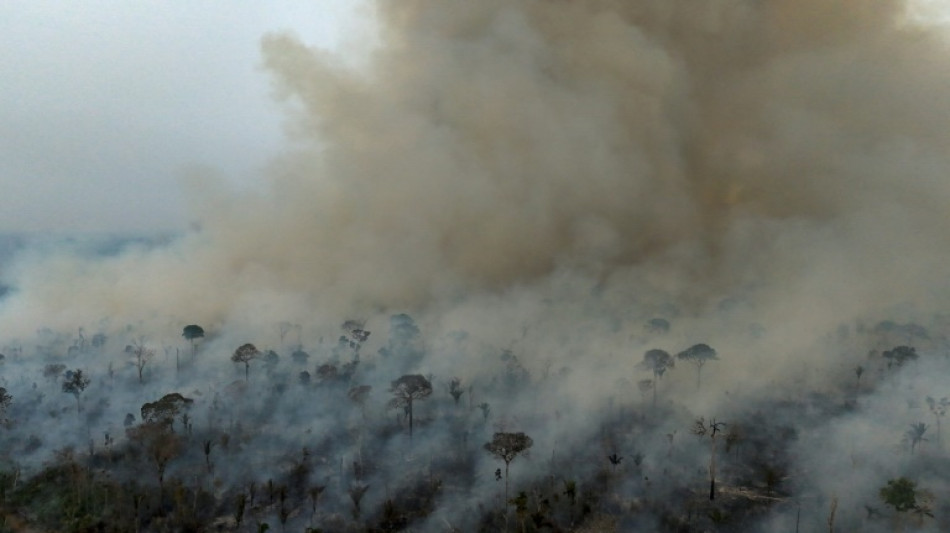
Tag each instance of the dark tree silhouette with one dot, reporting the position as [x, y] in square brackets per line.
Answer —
[245, 354]
[900, 493]
[456, 390]
[657, 361]
[407, 390]
[939, 410]
[356, 495]
[159, 444]
[899, 355]
[193, 332]
[698, 355]
[5, 401]
[915, 435]
[239, 511]
[356, 334]
[615, 460]
[507, 446]
[314, 492]
[711, 429]
[299, 356]
[164, 411]
[75, 382]
[658, 325]
[206, 448]
[141, 355]
[53, 371]
[327, 372]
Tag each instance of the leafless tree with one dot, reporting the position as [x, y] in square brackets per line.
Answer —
[710, 429]
[141, 355]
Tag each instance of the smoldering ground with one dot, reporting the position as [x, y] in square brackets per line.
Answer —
[547, 176]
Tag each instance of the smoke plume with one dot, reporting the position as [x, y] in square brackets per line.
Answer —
[548, 175]
[708, 149]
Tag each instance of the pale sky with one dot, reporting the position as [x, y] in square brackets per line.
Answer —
[107, 103]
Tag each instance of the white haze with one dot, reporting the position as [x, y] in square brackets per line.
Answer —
[107, 104]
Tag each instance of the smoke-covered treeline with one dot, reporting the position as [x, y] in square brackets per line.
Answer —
[519, 201]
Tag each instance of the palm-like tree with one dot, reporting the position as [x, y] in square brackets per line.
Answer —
[915, 435]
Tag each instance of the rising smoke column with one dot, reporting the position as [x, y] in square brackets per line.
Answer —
[489, 144]
[702, 148]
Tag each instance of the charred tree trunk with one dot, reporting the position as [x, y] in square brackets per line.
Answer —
[712, 471]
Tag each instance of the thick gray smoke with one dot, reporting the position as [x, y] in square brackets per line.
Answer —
[785, 145]
[549, 175]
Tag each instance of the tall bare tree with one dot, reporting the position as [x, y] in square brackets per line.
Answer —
[657, 361]
[141, 355]
[245, 354]
[507, 446]
[406, 390]
[712, 430]
[698, 355]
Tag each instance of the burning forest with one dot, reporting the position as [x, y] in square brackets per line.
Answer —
[537, 266]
